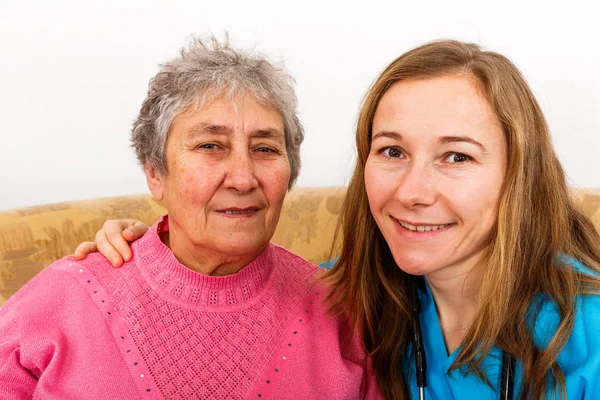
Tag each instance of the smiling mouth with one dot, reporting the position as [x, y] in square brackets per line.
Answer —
[235, 211]
[422, 228]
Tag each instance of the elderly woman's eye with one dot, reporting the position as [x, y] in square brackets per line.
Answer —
[457, 158]
[392, 152]
[264, 149]
[208, 146]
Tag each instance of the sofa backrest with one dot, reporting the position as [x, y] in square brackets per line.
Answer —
[33, 237]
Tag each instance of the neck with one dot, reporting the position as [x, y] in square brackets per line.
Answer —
[205, 262]
[455, 293]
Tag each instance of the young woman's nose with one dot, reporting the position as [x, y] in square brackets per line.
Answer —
[416, 187]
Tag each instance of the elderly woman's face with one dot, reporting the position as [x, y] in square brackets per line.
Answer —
[434, 173]
[227, 176]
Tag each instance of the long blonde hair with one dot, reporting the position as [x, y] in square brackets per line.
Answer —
[538, 227]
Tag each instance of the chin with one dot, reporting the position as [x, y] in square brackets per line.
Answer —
[412, 266]
[242, 247]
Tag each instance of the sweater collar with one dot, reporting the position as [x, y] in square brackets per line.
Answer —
[169, 277]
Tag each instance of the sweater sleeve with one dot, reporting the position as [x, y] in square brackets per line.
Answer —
[370, 390]
[23, 322]
[18, 379]
[54, 343]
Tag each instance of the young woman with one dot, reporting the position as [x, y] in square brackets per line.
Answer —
[480, 279]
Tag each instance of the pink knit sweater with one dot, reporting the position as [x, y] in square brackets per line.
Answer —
[156, 329]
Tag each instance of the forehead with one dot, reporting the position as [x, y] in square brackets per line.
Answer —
[439, 105]
[231, 113]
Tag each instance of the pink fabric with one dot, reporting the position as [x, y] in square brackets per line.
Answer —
[156, 329]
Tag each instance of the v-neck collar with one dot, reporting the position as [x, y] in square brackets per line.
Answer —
[452, 385]
[430, 323]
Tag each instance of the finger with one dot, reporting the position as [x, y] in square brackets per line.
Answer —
[114, 233]
[84, 249]
[107, 250]
[136, 231]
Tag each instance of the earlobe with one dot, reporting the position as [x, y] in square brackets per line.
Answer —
[154, 180]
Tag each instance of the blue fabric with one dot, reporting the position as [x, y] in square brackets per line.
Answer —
[579, 359]
[328, 264]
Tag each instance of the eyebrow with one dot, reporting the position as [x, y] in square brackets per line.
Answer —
[443, 140]
[458, 139]
[214, 129]
[204, 129]
[387, 134]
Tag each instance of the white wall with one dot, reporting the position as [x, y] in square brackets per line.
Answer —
[73, 75]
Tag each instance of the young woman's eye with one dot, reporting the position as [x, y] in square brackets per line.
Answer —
[457, 158]
[391, 152]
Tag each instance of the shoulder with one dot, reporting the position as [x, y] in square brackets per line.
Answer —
[579, 359]
[61, 283]
[577, 266]
[52, 298]
[584, 342]
[50, 283]
[292, 265]
[300, 277]
[285, 255]
[95, 262]
[330, 325]
[585, 334]
[581, 352]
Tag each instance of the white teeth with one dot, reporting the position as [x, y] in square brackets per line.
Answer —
[421, 228]
[408, 226]
[235, 212]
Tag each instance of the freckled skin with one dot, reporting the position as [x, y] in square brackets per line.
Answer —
[423, 179]
[209, 171]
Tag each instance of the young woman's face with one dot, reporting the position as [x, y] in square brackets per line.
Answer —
[434, 172]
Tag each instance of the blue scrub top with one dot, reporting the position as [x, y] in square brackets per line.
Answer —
[579, 359]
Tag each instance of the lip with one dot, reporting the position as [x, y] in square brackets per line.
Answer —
[239, 212]
[426, 234]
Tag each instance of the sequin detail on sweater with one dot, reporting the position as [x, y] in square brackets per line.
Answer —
[205, 336]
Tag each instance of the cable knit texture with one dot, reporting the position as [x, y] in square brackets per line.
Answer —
[156, 329]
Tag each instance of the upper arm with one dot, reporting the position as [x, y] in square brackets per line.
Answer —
[31, 331]
[17, 377]
[580, 358]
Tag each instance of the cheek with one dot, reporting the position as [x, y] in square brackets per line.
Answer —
[275, 181]
[476, 199]
[376, 185]
[195, 182]
[282, 176]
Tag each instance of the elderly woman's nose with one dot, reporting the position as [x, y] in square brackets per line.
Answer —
[416, 187]
[240, 173]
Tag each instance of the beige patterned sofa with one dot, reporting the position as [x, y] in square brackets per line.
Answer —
[33, 237]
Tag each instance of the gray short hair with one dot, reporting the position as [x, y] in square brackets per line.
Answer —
[205, 70]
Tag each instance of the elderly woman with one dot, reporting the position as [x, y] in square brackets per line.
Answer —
[481, 275]
[206, 307]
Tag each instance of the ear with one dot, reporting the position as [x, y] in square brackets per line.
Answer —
[154, 180]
